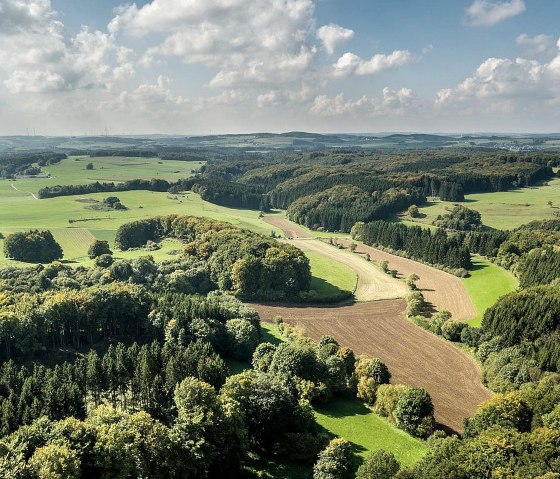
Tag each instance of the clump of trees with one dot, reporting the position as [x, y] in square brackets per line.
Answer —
[418, 243]
[32, 246]
[99, 248]
[460, 218]
[250, 265]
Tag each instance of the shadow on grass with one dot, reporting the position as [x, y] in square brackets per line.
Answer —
[324, 288]
[268, 337]
[477, 266]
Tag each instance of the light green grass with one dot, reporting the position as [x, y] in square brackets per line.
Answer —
[329, 278]
[75, 226]
[502, 210]
[486, 283]
[350, 419]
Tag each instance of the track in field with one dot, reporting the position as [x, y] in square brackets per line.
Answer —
[380, 328]
[414, 356]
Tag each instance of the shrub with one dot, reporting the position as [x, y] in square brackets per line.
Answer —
[335, 461]
[414, 412]
[471, 336]
[452, 329]
[243, 338]
[104, 261]
[98, 248]
[378, 465]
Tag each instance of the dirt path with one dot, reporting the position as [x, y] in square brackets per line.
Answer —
[28, 192]
[291, 230]
[414, 356]
[372, 284]
[443, 290]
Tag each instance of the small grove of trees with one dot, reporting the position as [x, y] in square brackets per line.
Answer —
[248, 264]
[420, 244]
[460, 218]
[32, 246]
[99, 248]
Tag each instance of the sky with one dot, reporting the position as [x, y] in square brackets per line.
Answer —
[192, 67]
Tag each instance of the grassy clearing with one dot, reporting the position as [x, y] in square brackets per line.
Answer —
[350, 419]
[502, 210]
[329, 278]
[486, 283]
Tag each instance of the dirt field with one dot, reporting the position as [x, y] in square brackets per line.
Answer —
[291, 230]
[372, 284]
[443, 290]
[414, 356]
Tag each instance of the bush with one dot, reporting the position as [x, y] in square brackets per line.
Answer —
[452, 329]
[32, 246]
[471, 336]
[104, 261]
[98, 248]
[243, 338]
[335, 461]
[414, 412]
[378, 465]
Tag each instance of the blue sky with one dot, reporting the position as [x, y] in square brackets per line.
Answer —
[191, 66]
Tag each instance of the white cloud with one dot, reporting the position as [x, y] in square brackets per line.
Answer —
[516, 86]
[537, 45]
[248, 41]
[38, 57]
[351, 64]
[333, 35]
[390, 102]
[483, 13]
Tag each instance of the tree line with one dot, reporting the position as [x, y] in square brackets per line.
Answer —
[421, 244]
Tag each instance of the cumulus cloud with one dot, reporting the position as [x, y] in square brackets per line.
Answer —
[38, 57]
[333, 35]
[484, 13]
[507, 85]
[537, 45]
[351, 64]
[390, 102]
[248, 41]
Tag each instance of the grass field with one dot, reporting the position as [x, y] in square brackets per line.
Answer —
[75, 225]
[329, 278]
[486, 283]
[350, 419]
[502, 210]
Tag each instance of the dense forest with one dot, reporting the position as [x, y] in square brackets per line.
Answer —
[421, 244]
[12, 164]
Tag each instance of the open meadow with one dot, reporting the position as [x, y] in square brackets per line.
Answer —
[503, 210]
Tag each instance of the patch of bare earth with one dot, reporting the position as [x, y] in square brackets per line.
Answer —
[443, 290]
[380, 328]
[414, 356]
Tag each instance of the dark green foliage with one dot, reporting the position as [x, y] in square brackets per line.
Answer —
[539, 266]
[335, 461]
[340, 207]
[250, 265]
[420, 244]
[460, 218]
[32, 246]
[378, 465]
[486, 243]
[524, 315]
[269, 408]
[16, 163]
[155, 184]
[99, 248]
[414, 412]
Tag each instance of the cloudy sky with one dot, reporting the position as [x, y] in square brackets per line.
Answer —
[201, 66]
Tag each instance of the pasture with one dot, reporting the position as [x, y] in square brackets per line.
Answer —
[502, 210]
[329, 278]
[368, 432]
[485, 284]
[75, 226]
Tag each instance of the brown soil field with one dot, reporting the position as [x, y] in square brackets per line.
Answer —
[443, 290]
[414, 356]
[373, 284]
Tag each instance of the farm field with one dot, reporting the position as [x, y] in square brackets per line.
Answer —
[351, 419]
[486, 283]
[413, 355]
[502, 210]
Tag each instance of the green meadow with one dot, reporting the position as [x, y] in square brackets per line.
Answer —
[75, 225]
[329, 278]
[485, 284]
[502, 210]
